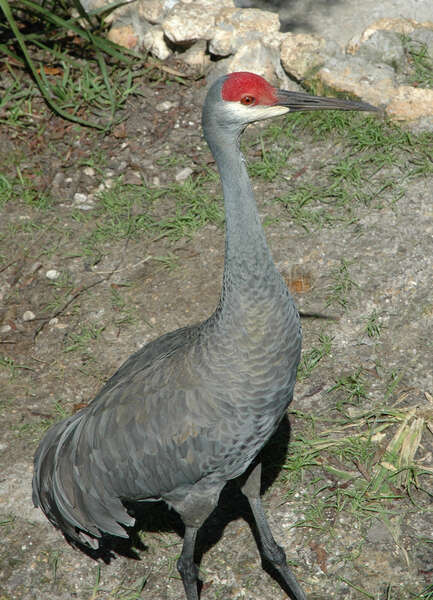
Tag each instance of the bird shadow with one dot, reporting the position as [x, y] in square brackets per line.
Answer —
[232, 505]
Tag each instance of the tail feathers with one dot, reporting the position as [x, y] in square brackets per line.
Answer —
[73, 506]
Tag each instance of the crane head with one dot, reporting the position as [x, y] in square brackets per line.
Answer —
[248, 97]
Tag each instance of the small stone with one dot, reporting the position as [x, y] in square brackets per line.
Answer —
[132, 178]
[80, 198]
[53, 321]
[35, 267]
[29, 316]
[410, 103]
[164, 106]
[5, 329]
[153, 10]
[154, 42]
[300, 53]
[52, 274]
[197, 56]
[183, 174]
[189, 22]
[124, 36]
[83, 201]
[58, 179]
[235, 27]
[89, 171]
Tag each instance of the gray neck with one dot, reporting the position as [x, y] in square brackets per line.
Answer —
[247, 255]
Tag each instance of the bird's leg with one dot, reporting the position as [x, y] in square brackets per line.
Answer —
[194, 509]
[271, 550]
[186, 566]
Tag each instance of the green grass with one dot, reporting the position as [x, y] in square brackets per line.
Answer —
[360, 175]
[9, 365]
[82, 341]
[23, 189]
[373, 325]
[366, 458]
[75, 69]
[420, 63]
[272, 163]
[342, 285]
[125, 314]
[127, 211]
[122, 590]
[350, 389]
[38, 426]
[311, 358]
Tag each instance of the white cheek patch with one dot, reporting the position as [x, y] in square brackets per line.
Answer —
[255, 113]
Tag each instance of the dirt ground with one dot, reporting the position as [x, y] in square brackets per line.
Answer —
[107, 303]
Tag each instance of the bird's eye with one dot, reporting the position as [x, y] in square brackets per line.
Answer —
[248, 100]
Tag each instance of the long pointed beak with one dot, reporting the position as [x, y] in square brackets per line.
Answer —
[295, 101]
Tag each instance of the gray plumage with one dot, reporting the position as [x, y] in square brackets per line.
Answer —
[192, 409]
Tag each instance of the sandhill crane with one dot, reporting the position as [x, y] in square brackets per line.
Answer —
[192, 409]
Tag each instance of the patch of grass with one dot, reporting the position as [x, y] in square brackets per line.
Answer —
[120, 591]
[122, 212]
[368, 148]
[83, 339]
[394, 381]
[21, 189]
[194, 208]
[124, 311]
[169, 261]
[340, 289]
[37, 428]
[271, 164]
[420, 61]
[358, 175]
[127, 211]
[356, 587]
[357, 466]
[373, 325]
[311, 358]
[350, 389]
[10, 365]
[171, 160]
[427, 593]
[74, 67]
[303, 205]
[6, 190]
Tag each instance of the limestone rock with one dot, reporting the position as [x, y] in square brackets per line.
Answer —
[353, 75]
[256, 57]
[410, 103]
[124, 35]
[29, 316]
[154, 11]
[192, 21]
[300, 53]
[197, 56]
[398, 25]
[153, 40]
[383, 47]
[235, 27]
